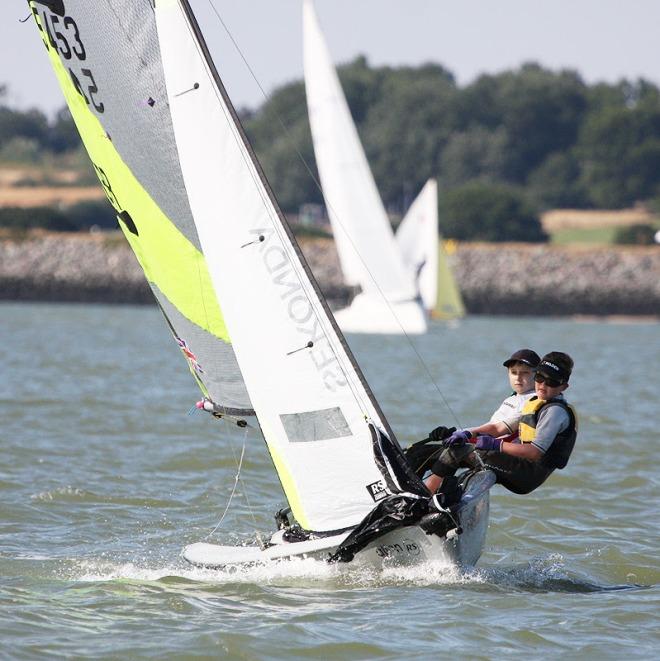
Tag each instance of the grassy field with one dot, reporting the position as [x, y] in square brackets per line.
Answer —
[594, 226]
[32, 186]
[587, 235]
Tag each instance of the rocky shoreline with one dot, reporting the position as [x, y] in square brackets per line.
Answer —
[512, 279]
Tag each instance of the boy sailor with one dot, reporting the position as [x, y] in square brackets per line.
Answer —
[521, 368]
[547, 431]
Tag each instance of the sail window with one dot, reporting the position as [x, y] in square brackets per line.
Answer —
[319, 425]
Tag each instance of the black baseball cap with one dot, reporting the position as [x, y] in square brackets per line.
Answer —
[526, 356]
[556, 365]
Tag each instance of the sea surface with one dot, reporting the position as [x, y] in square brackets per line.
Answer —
[105, 476]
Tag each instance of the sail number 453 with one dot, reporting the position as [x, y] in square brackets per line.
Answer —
[61, 33]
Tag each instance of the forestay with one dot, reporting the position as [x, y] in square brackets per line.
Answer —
[365, 242]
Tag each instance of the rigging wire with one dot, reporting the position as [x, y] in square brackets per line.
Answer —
[318, 186]
[231, 495]
[237, 480]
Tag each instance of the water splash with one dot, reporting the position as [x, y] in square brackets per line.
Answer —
[61, 493]
[547, 573]
[306, 571]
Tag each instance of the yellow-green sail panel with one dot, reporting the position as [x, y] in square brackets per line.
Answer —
[165, 244]
[449, 302]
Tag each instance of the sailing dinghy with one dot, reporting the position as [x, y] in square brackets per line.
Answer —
[237, 293]
[425, 256]
[368, 253]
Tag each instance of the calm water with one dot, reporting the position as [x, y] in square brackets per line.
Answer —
[104, 477]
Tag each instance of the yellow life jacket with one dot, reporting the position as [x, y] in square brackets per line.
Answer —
[559, 452]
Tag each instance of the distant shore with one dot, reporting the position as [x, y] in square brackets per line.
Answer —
[509, 278]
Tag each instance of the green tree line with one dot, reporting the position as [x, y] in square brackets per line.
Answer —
[56, 136]
[566, 143]
[503, 148]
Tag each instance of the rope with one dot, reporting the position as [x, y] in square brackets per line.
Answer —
[237, 480]
[231, 495]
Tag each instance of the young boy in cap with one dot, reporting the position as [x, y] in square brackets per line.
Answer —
[547, 432]
[521, 368]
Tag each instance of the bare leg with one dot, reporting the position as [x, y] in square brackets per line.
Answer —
[433, 482]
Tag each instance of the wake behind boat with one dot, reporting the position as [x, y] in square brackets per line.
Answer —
[236, 291]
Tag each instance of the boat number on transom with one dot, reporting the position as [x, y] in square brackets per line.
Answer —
[404, 547]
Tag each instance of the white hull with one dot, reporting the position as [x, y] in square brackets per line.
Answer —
[374, 314]
[406, 546]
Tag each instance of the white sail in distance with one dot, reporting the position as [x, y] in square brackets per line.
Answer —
[363, 235]
[424, 253]
[417, 238]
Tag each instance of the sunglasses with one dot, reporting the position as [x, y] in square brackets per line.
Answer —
[552, 383]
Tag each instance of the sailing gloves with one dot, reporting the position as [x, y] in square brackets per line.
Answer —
[483, 442]
[441, 433]
[459, 437]
[489, 443]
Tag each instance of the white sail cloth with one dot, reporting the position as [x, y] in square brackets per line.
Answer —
[417, 238]
[310, 401]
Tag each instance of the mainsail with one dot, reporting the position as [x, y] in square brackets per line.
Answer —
[365, 241]
[425, 256]
[226, 270]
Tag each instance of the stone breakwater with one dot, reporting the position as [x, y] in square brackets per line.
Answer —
[514, 279]
[559, 280]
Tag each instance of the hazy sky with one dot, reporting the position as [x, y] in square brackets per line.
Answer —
[602, 39]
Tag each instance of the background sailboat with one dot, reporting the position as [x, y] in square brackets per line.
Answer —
[449, 302]
[193, 202]
[365, 241]
[424, 254]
